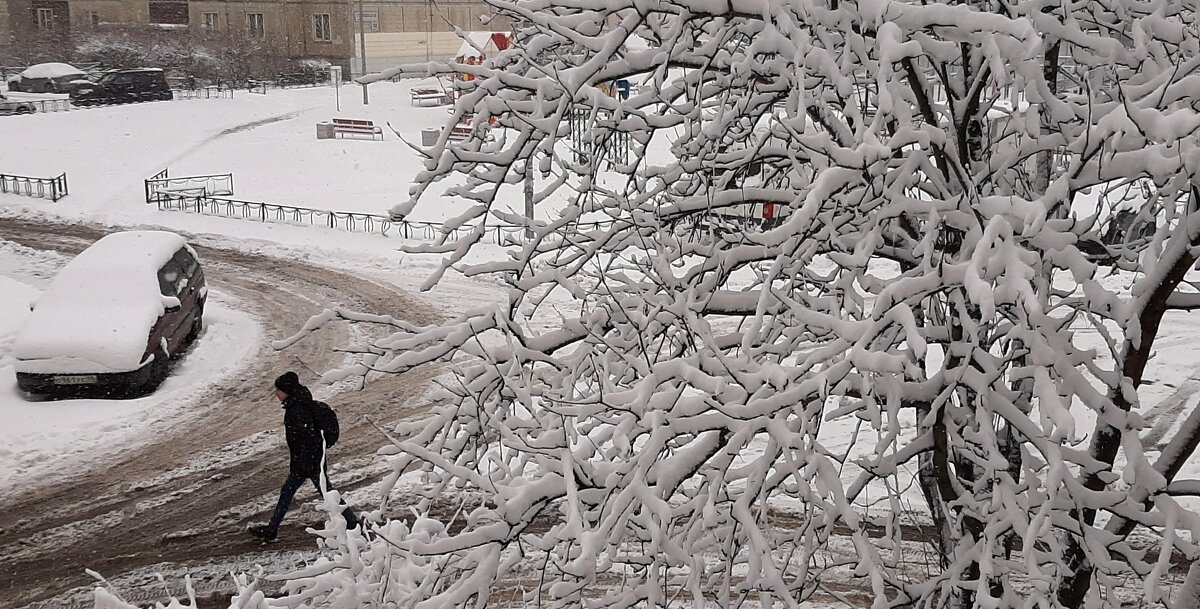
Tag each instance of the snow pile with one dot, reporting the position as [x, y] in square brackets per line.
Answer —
[15, 298]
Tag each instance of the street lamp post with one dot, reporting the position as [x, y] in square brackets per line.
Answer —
[362, 43]
[362, 39]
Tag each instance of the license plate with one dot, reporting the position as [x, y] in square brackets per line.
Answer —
[75, 379]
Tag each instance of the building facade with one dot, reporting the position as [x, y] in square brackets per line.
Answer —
[404, 31]
[292, 29]
[395, 31]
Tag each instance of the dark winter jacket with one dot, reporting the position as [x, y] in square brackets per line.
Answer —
[303, 436]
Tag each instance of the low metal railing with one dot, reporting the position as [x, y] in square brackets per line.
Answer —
[161, 184]
[209, 92]
[63, 104]
[209, 195]
[48, 105]
[45, 188]
[204, 203]
[216, 205]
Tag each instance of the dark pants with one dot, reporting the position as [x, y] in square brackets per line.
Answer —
[290, 486]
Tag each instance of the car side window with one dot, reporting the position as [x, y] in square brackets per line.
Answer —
[170, 276]
[187, 263]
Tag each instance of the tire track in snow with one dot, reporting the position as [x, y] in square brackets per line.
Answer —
[207, 471]
[1166, 415]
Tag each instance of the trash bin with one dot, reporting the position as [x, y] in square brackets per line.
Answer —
[324, 131]
[429, 136]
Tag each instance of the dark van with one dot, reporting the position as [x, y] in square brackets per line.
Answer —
[124, 87]
[113, 318]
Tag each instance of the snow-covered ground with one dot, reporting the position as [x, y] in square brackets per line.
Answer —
[269, 144]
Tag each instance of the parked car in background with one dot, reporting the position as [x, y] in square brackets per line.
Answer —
[46, 78]
[8, 106]
[113, 318]
[124, 87]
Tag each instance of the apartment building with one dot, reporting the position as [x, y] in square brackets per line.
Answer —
[294, 29]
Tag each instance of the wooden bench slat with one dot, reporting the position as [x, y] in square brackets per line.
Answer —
[356, 126]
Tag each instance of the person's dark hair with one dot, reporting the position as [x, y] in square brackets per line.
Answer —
[288, 382]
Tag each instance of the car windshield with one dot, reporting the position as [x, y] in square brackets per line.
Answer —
[107, 78]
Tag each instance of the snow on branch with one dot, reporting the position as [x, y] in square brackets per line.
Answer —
[810, 276]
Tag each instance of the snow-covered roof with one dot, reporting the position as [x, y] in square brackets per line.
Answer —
[50, 70]
[97, 313]
[475, 41]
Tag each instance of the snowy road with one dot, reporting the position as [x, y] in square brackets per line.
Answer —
[187, 490]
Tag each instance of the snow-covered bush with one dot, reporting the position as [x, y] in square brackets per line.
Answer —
[681, 405]
[210, 56]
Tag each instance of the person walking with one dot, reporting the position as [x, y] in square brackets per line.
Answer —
[302, 424]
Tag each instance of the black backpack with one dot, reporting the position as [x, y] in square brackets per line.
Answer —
[327, 423]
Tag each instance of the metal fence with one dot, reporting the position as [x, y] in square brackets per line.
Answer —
[208, 195]
[284, 82]
[161, 184]
[210, 92]
[48, 105]
[226, 207]
[216, 205]
[45, 188]
[63, 104]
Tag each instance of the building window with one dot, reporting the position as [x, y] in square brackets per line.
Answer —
[256, 25]
[212, 22]
[321, 28]
[45, 18]
[169, 12]
[93, 18]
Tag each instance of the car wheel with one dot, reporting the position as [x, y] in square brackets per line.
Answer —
[24, 110]
[159, 368]
[197, 325]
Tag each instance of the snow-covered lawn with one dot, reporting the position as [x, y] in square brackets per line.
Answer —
[267, 141]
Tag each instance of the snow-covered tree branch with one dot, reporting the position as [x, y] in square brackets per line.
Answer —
[823, 255]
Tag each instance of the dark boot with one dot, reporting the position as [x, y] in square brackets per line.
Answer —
[263, 532]
[352, 521]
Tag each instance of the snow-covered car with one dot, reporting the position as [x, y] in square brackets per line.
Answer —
[46, 78]
[8, 106]
[113, 318]
[124, 87]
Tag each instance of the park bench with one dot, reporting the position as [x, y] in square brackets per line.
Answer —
[460, 132]
[465, 128]
[356, 126]
[436, 95]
